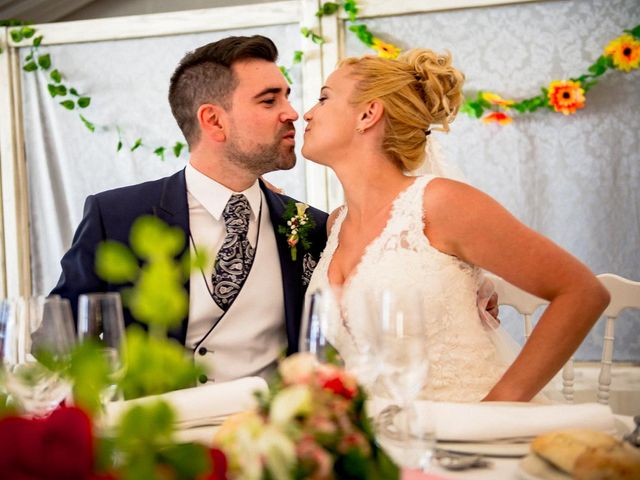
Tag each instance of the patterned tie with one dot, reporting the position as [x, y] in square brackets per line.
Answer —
[236, 254]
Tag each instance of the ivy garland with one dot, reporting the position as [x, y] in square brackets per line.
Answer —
[564, 96]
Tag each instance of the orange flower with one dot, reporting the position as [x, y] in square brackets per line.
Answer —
[495, 99]
[566, 96]
[498, 117]
[625, 52]
[385, 50]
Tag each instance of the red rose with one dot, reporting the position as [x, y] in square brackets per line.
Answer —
[336, 385]
[57, 447]
[218, 465]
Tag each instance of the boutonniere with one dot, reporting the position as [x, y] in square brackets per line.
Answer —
[299, 224]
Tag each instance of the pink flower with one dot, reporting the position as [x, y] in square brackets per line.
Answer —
[314, 456]
[292, 240]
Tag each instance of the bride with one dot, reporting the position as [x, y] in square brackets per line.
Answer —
[430, 236]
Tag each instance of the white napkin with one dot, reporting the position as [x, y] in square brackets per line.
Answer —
[200, 406]
[491, 421]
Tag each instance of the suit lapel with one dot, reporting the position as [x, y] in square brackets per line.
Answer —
[173, 209]
[291, 271]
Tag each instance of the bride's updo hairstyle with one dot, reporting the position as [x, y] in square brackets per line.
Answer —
[418, 89]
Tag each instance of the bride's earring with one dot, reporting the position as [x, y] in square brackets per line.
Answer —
[360, 130]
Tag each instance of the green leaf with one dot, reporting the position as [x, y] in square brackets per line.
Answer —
[55, 76]
[68, 104]
[27, 32]
[116, 263]
[28, 57]
[37, 41]
[351, 7]
[151, 238]
[61, 89]
[30, 67]
[74, 92]
[188, 459]
[16, 35]
[88, 124]
[363, 34]
[317, 39]
[305, 32]
[328, 8]
[137, 144]
[297, 56]
[53, 89]
[83, 102]
[635, 31]
[44, 61]
[90, 375]
[119, 147]
[285, 72]
[177, 148]
[160, 152]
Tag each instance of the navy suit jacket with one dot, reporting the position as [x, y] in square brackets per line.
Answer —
[109, 215]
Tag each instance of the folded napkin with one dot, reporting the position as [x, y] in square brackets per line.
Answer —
[491, 421]
[199, 406]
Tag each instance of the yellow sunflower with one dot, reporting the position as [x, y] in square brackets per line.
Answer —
[625, 52]
[385, 50]
[498, 117]
[495, 99]
[566, 96]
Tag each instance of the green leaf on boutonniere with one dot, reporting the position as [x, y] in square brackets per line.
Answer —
[137, 144]
[298, 225]
[68, 104]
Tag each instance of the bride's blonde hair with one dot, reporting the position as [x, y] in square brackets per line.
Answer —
[418, 89]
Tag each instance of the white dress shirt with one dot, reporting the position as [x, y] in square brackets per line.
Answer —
[251, 335]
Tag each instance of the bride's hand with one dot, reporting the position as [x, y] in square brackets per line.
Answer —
[272, 187]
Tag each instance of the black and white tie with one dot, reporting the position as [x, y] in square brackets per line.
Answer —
[236, 254]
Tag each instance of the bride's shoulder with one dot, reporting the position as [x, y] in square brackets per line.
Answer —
[448, 194]
[332, 218]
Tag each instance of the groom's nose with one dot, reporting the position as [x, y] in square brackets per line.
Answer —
[289, 114]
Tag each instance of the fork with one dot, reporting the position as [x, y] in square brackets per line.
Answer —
[459, 461]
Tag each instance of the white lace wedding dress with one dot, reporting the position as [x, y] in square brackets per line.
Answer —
[464, 362]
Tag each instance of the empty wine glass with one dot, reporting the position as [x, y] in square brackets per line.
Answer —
[36, 339]
[404, 363]
[100, 319]
[319, 319]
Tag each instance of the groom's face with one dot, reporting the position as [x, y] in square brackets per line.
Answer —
[261, 135]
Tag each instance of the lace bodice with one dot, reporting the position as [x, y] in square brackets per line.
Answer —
[463, 361]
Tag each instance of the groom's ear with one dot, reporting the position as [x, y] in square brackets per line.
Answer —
[212, 121]
[370, 115]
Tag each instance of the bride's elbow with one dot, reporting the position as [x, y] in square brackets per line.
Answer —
[597, 295]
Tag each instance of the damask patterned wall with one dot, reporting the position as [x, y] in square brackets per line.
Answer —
[575, 179]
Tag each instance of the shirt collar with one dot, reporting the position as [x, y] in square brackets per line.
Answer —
[214, 196]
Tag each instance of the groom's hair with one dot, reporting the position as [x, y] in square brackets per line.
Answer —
[205, 76]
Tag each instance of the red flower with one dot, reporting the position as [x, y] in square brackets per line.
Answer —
[498, 117]
[57, 447]
[218, 465]
[339, 383]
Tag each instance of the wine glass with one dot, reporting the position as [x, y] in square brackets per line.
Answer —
[404, 366]
[36, 341]
[100, 319]
[318, 321]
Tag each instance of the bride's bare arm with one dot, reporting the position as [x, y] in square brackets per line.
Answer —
[462, 221]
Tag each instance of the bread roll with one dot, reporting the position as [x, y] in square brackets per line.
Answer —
[589, 455]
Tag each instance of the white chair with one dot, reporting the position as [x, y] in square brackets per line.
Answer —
[624, 294]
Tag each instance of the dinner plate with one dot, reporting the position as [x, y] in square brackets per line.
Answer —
[533, 467]
[489, 449]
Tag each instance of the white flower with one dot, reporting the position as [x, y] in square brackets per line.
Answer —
[278, 451]
[302, 207]
[290, 402]
[298, 368]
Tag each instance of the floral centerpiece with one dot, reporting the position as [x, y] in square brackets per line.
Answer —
[311, 424]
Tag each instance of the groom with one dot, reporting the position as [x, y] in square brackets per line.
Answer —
[231, 102]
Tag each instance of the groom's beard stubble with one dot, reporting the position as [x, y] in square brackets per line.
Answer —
[264, 158]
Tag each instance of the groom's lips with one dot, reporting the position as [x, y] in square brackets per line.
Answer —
[290, 135]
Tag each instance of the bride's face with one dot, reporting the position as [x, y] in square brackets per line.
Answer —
[331, 123]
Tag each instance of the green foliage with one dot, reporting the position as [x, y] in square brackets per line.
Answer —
[16, 35]
[363, 34]
[115, 263]
[149, 360]
[83, 102]
[37, 41]
[27, 32]
[30, 67]
[74, 92]
[297, 56]
[55, 76]
[151, 239]
[285, 73]
[56, 90]
[177, 148]
[328, 8]
[137, 144]
[119, 146]
[44, 61]
[90, 126]
[351, 7]
[635, 31]
[160, 152]
[68, 104]
[90, 373]
[315, 38]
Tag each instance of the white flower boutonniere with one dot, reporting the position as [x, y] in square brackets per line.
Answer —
[299, 224]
